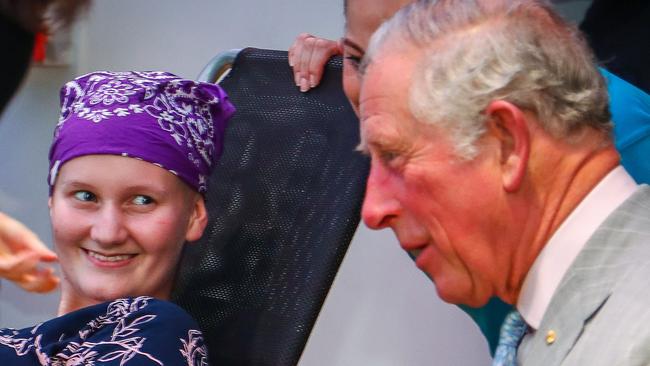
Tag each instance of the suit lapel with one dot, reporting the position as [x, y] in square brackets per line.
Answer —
[572, 305]
[587, 284]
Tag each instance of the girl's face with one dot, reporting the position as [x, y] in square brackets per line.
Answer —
[363, 17]
[119, 225]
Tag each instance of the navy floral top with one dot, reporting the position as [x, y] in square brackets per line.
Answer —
[125, 332]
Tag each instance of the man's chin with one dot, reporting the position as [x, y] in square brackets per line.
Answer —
[467, 298]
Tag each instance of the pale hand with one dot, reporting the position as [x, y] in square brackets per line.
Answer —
[308, 56]
[22, 255]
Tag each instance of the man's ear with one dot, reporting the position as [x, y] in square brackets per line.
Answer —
[198, 220]
[510, 127]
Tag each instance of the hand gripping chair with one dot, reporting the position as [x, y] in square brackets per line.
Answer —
[284, 203]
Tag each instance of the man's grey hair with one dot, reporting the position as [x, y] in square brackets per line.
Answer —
[478, 51]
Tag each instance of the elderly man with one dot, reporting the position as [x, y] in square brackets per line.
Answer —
[492, 160]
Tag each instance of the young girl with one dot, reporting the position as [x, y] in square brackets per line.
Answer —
[129, 163]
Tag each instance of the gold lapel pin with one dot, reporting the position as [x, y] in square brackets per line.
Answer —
[550, 337]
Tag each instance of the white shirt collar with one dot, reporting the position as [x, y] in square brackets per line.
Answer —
[561, 250]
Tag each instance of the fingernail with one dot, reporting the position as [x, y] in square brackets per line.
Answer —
[296, 79]
[291, 62]
[312, 81]
[303, 85]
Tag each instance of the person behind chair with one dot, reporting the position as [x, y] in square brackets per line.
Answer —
[492, 160]
[129, 164]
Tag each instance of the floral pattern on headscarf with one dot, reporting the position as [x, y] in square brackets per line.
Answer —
[155, 116]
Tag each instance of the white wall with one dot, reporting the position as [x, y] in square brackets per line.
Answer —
[381, 309]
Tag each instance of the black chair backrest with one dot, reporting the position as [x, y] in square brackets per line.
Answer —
[284, 203]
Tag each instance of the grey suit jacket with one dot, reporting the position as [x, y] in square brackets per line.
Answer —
[600, 313]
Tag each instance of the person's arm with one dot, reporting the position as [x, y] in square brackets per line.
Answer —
[308, 56]
[21, 256]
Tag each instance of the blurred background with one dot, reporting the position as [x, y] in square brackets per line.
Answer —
[381, 309]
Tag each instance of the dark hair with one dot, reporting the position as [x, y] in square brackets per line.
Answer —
[39, 15]
[19, 22]
[17, 44]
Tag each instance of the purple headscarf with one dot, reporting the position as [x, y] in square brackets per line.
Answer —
[155, 116]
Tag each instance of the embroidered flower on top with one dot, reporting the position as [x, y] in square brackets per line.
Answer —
[111, 92]
[130, 107]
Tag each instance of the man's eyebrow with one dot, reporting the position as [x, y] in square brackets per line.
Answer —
[353, 45]
[374, 140]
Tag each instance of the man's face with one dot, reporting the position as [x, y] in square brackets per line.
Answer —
[119, 226]
[442, 210]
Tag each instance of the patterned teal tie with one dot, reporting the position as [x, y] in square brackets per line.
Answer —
[512, 331]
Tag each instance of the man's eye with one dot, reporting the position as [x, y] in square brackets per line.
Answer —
[85, 196]
[142, 200]
[388, 156]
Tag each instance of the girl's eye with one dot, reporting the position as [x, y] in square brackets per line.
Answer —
[142, 200]
[354, 61]
[85, 196]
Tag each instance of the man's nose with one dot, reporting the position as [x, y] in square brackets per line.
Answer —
[379, 205]
[108, 227]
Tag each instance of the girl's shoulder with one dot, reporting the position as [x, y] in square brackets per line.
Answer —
[129, 331]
